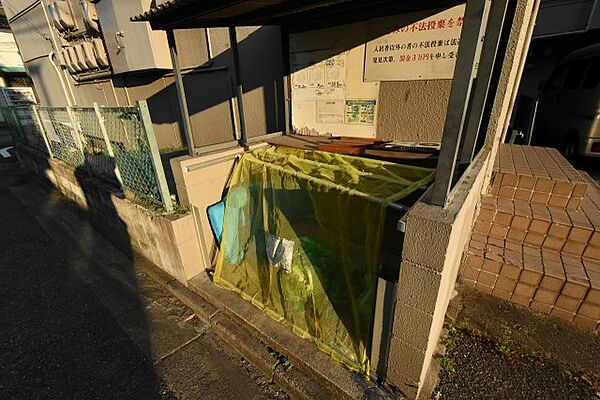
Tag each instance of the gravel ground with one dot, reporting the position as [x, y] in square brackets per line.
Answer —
[475, 368]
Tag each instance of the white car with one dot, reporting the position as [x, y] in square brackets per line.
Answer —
[568, 115]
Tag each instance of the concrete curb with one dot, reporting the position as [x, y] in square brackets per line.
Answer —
[294, 382]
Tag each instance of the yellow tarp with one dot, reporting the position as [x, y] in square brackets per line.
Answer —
[321, 213]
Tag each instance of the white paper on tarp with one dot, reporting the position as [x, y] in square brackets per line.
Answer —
[425, 49]
[280, 252]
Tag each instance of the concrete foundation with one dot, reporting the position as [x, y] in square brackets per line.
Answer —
[168, 241]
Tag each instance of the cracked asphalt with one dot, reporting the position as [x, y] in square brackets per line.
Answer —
[84, 324]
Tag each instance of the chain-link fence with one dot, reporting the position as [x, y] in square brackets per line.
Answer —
[112, 143]
[23, 126]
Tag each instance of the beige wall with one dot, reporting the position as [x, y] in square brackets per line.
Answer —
[413, 110]
[169, 242]
[200, 183]
[30, 30]
[46, 82]
[406, 110]
[101, 92]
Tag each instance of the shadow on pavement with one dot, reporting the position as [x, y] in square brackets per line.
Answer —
[59, 338]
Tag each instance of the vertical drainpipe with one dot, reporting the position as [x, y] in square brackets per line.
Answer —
[183, 107]
[287, 86]
[239, 92]
[66, 87]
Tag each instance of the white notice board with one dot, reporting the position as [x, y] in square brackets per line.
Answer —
[424, 49]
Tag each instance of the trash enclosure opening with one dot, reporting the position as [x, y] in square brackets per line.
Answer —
[380, 103]
[302, 237]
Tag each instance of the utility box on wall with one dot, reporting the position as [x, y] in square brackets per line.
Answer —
[131, 46]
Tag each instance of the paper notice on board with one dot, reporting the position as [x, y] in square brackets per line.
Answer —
[300, 78]
[424, 49]
[318, 69]
[360, 111]
[316, 76]
[330, 111]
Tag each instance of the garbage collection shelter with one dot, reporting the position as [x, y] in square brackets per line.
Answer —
[422, 71]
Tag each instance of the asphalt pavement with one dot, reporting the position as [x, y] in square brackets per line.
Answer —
[84, 324]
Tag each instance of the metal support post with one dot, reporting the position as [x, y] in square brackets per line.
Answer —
[108, 144]
[17, 119]
[77, 136]
[239, 91]
[38, 120]
[159, 172]
[287, 84]
[484, 77]
[183, 106]
[462, 81]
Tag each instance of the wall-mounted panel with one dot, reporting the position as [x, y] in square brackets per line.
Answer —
[261, 75]
[192, 47]
[210, 106]
[32, 33]
[423, 49]
[329, 95]
[131, 46]
[161, 96]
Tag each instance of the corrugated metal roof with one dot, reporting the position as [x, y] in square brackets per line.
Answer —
[176, 14]
[220, 7]
[168, 5]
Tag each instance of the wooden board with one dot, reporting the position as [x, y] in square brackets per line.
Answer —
[399, 155]
[342, 149]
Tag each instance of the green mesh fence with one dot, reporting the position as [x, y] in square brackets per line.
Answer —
[62, 135]
[109, 142]
[131, 151]
[23, 126]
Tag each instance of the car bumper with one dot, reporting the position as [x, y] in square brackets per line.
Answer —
[591, 148]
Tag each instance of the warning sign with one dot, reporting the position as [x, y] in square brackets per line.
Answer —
[425, 49]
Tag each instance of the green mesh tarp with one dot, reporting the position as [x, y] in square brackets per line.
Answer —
[302, 240]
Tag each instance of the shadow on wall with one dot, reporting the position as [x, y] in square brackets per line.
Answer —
[210, 87]
[98, 358]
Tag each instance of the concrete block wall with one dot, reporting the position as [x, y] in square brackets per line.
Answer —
[168, 241]
[436, 237]
[433, 248]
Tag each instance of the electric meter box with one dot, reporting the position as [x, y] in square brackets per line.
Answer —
[131, 46]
